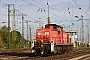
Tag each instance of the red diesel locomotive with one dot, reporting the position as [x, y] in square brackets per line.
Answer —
[51, 40]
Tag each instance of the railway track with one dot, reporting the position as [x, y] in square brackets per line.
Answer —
[27, 55]
[84, 57]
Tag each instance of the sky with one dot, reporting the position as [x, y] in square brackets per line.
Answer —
[62, 12]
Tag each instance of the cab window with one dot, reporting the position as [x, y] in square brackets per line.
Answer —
[47, 26]
[55, 27]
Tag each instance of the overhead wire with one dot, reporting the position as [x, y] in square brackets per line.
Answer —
[39, 7]
[3, 6]
[3, 14]
[29, 17]
[44, 5]
[62, 3]
[30, 3]
[88, 7]
[80, 8]
[52, 7]
[59, 10]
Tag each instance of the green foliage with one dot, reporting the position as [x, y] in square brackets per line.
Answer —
[4, 35]
[15, 38]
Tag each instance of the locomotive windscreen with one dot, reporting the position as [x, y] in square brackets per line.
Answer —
[47, 26]
[55, 27]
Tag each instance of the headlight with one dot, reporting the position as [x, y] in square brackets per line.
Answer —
[46, 33]
[39, 33]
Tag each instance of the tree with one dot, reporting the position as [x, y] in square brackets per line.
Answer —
[4, 34]
[15, 38]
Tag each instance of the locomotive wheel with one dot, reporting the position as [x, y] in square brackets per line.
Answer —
[65, 49]
[37, 51]
[59, 50]
[71, 48]
[46, 51]
[68, 49]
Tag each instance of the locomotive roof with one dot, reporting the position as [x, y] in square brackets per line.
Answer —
[54, 25]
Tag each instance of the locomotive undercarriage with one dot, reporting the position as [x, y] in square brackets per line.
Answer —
[45, 49]
[60, 49]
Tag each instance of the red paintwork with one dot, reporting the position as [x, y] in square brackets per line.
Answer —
[49, 34]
